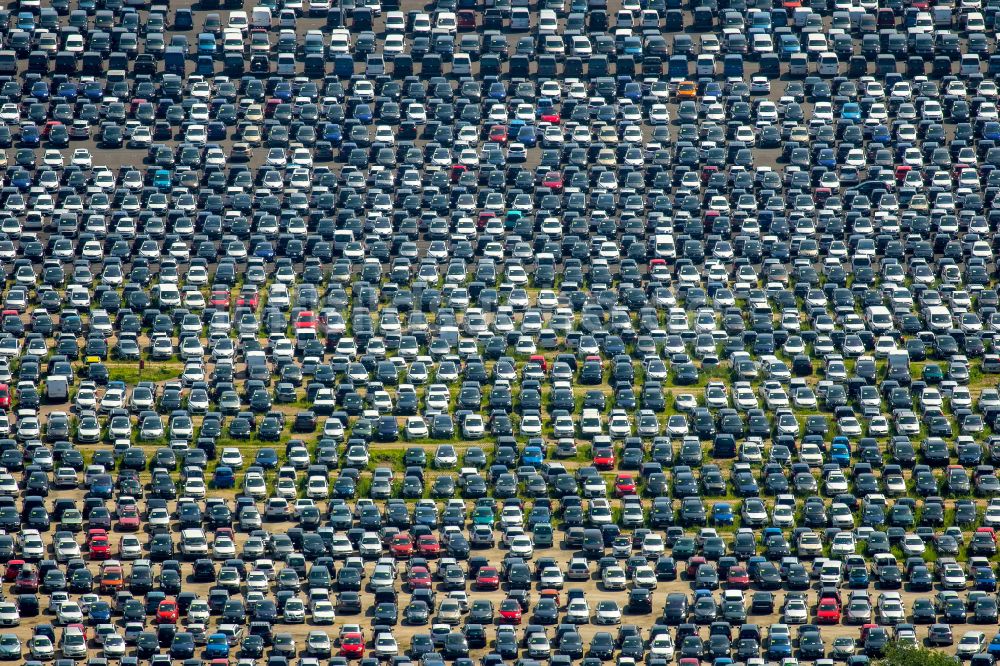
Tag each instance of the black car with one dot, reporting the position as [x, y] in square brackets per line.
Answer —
[416, 613]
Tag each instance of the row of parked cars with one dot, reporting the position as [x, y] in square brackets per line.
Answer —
[561, 332]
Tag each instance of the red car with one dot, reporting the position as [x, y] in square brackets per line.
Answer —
[402, 546]
[498, 133]
[488, 578]
[467, 19]
[553, 180]
[166, 612]
[419, 578]
[510, 612]
[248, 298]
[551, 117]
[27, 579]
[219, 300]
[306, 319]
[128, 519]
[738, 578]
[428, 546]
[828, 611]
[604, 458]
[352, 646]
[624, 485]
[694, 563]
[4, 396]
[100, 547]
[12, 570]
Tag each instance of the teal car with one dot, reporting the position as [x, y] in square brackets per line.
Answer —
[483, 516]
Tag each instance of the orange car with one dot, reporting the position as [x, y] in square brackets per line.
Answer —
[112, 579]
[687, 90]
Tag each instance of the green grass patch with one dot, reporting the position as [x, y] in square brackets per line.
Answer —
[364, 488]
[153, 372]
[392, 458]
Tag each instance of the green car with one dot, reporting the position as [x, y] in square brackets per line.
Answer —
[482, 516]
[72, 520]
[10, 647]
[932, 374]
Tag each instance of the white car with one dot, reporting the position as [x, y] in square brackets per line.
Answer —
[69, 612]
[323, 612]
[613, 578]
[522, 546]
[130, 547]
[971, 643]
[644, 577]
[386, 646]
[9, 614]
[782, 516]
[114, 646]
[578, 612]
[317, 488]
[223, 548]
[294, 611]
[552, 577]
[796, 611]
[843, 544]
[82, 158]
[662, 647]
[913, 545]
[608, 612]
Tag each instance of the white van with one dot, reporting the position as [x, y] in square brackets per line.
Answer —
[193, 542]
[705, 65]
[520, 18]
[374, 65]
[286, 64]
[970, 64]
[829, 64]
[461, 64]
[260, 18]
[664, 246]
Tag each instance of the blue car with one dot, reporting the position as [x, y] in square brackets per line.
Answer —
[532, 456]
[722, 514]
[30, 136]
[40, 90]
[984, 579]
[20, 179]
[497, 91]
[283, 91]
[779, 647]
[858, 577]
[851, 111]
[527, 135]
[26, 21]
[99, 612]
[69, 90]
[217, 647]
[267, 458]
[207, 44]
[993, 648]
[333, 133]
[264, 250]
[789, 45]
[93, 91]
[881, 134]
[840, 454]
[224, 477]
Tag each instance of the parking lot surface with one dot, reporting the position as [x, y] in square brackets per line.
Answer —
[472, 333]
